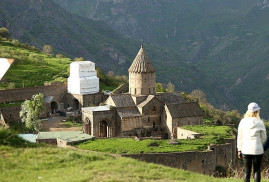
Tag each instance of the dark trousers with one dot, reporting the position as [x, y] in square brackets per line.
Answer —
[256, 161]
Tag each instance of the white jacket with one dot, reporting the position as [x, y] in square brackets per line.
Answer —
[251, 136]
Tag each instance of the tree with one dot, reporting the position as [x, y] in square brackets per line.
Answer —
[47, 49]
[160, 88]
[31, 110]
[170, 87]
[4, 32]
[79, 59]
[60, 56]
[200, 95]
[111, 74]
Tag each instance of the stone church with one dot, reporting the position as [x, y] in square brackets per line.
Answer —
[142, 112]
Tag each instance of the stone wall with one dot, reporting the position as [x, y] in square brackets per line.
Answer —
[202, 162]
[77, 101]
[142, 83]
[131, 123]
[27, 93]
[10, 114]
[52, 141]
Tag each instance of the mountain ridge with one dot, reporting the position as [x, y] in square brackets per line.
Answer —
[225, 40]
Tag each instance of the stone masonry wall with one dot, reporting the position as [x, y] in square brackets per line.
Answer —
[26, 93]
[202, 162]
[11, 114]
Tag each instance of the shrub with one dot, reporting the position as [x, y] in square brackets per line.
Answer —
[35, 58]
[47, 49]
[11, 139]
[4, 32]
[15, 42]
[11, 85]
[60, 56]
[79, 59]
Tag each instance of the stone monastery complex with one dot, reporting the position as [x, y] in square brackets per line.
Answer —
[141, 112]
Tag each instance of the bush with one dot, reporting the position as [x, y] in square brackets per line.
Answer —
[11, 139]
[35, 58]
[60, 56]
[15, 42]
[4, 32]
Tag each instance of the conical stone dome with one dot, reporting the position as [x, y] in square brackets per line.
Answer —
[142, 75]
[141, 63]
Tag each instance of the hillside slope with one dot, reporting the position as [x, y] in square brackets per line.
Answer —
[227, 41]
[34, 68]
[58, 164]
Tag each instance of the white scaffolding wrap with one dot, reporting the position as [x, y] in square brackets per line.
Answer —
[4, 66]
[83, 78]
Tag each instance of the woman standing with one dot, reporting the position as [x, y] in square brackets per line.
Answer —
[250, 139]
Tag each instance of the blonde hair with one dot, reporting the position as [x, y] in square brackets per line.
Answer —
[255, 114]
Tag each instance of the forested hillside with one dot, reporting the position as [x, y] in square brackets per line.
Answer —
[226, 40]
[220, 47]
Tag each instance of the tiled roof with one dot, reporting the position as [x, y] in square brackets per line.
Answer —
[123, 100]
[149, 98]
[128, 112]
[170, 98]
[141, 63]
[185, 110]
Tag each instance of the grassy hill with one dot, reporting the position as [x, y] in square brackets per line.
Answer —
[33, 67]
[57, 164]
[21, 161]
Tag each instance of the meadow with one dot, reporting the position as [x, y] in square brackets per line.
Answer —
[212, 135]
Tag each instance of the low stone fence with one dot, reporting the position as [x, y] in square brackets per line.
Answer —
[27, 93]
[11, 114]
[204, 162]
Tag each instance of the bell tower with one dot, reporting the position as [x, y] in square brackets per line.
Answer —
[142, 75]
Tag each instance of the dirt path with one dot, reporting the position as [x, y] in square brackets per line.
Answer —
[56, 124]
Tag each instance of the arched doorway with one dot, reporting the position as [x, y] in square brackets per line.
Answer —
[54, 107]
[103, 129]
[87, 126]
[76, 104]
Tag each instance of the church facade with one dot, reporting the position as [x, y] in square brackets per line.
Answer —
[141, 112]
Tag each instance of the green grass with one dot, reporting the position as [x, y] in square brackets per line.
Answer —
[57, 164]
[11, 104]
[23, 161]
[211, 130]
[213, 134]
[34, 68]
[72, 124]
